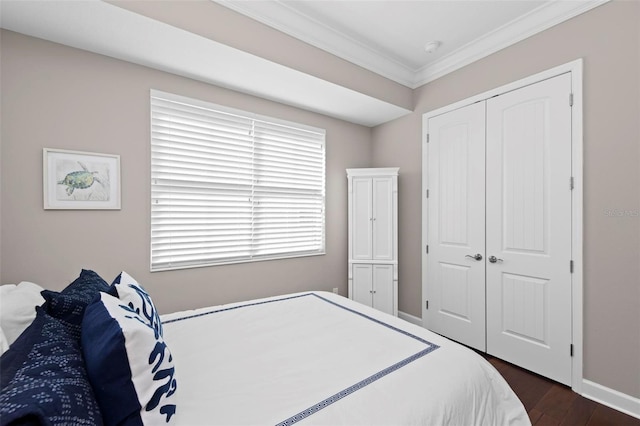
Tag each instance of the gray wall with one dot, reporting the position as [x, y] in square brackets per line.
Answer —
[54, 96]
[59, 97]
[608, 38]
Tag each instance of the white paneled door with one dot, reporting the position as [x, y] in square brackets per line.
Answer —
[528, 177]
[456, 268]
[499, 226]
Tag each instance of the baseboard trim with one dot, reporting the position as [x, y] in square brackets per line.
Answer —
[611, 398]
[410, 318]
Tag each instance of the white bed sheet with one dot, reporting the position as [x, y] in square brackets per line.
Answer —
[319, 358]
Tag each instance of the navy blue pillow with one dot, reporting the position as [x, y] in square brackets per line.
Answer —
[129, 365]
[44, 380]
[85, 286]
[69, 304]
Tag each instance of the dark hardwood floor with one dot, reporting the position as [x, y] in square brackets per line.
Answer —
[550, 403]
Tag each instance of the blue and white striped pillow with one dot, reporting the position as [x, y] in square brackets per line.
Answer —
[128, 363]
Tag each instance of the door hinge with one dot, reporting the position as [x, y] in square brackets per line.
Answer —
[571, 266]
[427, 193]
[571, 349]
[426, 304]
[427, 137]
[571, 185]
[570, 99]
[427, 249]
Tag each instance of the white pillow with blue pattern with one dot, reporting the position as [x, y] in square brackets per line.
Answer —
[128, 363]
[131, 293]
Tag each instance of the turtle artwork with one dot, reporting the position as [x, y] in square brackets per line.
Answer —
[80, 179]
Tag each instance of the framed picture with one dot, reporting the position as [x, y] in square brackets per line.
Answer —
[80, 180]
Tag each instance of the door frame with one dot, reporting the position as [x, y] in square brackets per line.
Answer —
[575, 68]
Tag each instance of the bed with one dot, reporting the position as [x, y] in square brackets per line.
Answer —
[308, 358]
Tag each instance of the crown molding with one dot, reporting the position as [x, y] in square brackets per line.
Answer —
[109, 30]
[282, 17]
[536, 21]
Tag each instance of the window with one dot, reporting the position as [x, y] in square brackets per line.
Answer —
[228, 186]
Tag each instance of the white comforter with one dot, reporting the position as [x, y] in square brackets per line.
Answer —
[319, 358]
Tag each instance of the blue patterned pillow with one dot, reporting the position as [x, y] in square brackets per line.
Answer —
[44, 380]
[129, 365]
[70, 303]
[127, 289]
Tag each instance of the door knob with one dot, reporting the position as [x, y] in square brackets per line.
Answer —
[494, 259]
[476, 256]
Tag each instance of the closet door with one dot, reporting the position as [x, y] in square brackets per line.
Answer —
[456, 225]
[529, 227]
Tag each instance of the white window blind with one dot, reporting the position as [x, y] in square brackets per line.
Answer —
[230, 187]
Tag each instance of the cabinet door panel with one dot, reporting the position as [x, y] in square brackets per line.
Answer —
[362, 279]
[382, 219]
[362, 215]
[383, 293]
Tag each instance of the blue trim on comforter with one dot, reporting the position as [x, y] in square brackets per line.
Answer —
[351, 389]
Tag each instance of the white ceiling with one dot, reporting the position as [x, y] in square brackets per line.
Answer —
[388, 36]
[398, 30]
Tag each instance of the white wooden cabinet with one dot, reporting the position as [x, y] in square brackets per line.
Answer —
[373, 237]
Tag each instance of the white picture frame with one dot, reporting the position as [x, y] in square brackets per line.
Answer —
[77, 180]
